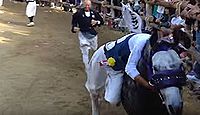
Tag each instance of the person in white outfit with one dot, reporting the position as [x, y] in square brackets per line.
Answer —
[31, 11]
[1, 2]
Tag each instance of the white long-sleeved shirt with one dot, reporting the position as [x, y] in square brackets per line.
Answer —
[136, 45]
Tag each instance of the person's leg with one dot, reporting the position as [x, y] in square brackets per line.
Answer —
[94, 43]
[85, 54]
[31, 12]
[31, 18]
[31, 23]
[84, 47]
[113, 87]
[93, 46]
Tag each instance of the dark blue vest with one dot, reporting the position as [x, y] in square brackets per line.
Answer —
[120, 52]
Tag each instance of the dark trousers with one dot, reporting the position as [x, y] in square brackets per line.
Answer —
[31, 18]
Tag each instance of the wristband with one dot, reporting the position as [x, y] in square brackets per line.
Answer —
[98, 22]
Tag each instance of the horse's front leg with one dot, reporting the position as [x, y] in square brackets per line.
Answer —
[95, 104]
[173, 100]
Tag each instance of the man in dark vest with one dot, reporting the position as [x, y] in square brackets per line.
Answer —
[84, 21]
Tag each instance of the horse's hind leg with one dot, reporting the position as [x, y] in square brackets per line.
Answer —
[95, 104]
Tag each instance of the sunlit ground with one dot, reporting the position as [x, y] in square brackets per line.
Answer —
[1, 12]
[10, 26]
[7, 26]
[4, 10]
[4, 40]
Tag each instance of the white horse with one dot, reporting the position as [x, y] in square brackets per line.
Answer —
[167, 75]
[168, 79]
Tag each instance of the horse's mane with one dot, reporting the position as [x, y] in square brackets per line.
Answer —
[152, 46]
[143, 61]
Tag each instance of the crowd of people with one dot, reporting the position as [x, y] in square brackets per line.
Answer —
[174, 18]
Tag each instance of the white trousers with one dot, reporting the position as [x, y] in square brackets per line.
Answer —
[31, 9]
[85, 46]
[100, 77]
[1, 2]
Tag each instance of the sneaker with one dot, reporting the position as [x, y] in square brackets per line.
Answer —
[30, 24]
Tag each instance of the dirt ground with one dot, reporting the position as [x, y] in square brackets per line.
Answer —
[41, 69]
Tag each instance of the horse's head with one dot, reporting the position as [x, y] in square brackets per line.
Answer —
[168, 73]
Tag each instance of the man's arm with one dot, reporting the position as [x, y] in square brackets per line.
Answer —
[75, 23]
[140, 80]
[131, 66]
[131, 70]
[98, 19]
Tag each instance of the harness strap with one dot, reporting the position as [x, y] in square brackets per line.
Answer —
[169, 78]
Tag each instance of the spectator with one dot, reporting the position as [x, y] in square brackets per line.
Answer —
[164, 20]
[178, 21]
[160, 11]
[44, 3]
